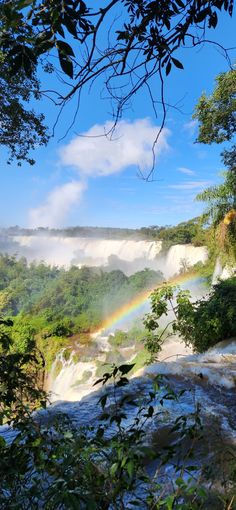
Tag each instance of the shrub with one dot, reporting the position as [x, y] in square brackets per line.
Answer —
[211, 320]
[202, 324]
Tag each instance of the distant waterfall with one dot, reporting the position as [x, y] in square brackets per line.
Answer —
[183, 256]
[128, 255]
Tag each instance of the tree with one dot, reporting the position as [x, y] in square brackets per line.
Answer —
[216, 113]
[126, 42]
[217, 117]
[221, 199]
[21, 378]
[21, 129]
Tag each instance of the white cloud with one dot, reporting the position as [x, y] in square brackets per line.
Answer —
[57, 205]
[186, 171]
[130, 144]
[94, 155]
[190, 185]
[191, 126]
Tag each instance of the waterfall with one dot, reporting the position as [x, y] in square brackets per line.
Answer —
[183, 256]
[217, 272]
[74, 381]
[128, 255]
[222, 273]
[76, 378]
[209, 378]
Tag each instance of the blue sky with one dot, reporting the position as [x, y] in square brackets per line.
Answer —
[93, 181]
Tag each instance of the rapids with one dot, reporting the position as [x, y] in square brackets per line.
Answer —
[209, 378]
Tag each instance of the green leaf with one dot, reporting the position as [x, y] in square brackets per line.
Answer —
[202, 492]
[169, 502]
[191, 468]
[130, 468]
[68, 434]
[202, 15]
[70, 25]
[114, 468]
[24, 3]
[180, 482]
[98, 381]
[2, 442]
[124, 460]
[122, 382]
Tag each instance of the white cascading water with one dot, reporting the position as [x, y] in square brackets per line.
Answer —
[217, 272]
[127, 255]
[217, 366]
[76, 379]
[222, 273]
[183, 256]
[208, 379]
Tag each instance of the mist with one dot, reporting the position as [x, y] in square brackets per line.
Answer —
[128, 255]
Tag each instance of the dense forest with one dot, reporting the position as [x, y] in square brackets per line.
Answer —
[51, 305]
[190, 231]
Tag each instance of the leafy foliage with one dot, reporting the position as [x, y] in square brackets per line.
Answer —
[142, 42]
[146, 28]
[201, 324]
[108, 464]
[101, 466]
[206, 322]
[216, 113]
[21, 379]
[221, 215]
[50, 305]
[21, 129]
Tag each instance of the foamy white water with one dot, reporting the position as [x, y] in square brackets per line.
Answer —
[127, 255]
[222, 273]
[183, 256]
[216, 367]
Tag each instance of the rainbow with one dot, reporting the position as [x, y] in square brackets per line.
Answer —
[135, 304]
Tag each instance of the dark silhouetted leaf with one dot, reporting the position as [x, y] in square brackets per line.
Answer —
[66, 64]
[125, 369]
[168, 68]
[177, 63]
